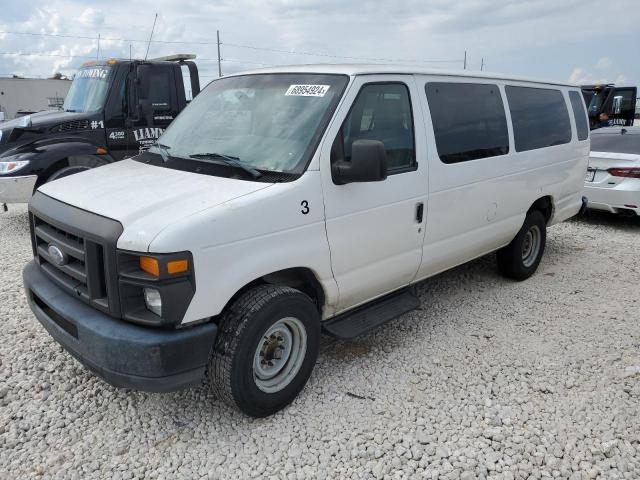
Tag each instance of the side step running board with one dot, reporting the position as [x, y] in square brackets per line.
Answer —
[367, 317]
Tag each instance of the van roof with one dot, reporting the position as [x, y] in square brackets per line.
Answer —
[370, 69]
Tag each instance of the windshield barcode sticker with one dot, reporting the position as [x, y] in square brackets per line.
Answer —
[307, 90]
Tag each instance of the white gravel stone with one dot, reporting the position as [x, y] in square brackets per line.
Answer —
[489, 379]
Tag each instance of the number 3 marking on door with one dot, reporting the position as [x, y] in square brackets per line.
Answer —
[305, 207]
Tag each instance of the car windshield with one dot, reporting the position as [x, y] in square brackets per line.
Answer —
[88, 89]
[270, 122]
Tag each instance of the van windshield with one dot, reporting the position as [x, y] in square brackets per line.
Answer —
[265, 122]
[88, 90]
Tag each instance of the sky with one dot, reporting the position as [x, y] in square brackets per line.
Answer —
[581, 41]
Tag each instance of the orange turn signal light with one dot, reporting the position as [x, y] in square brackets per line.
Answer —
[150, 265]
[177, 266]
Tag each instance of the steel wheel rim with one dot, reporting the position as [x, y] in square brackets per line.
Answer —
[279, 354]
[531, 246]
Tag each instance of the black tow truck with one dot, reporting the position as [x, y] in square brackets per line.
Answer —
[608, 105]
[114, 109]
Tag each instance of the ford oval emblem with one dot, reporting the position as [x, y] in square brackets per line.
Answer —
[57, 256]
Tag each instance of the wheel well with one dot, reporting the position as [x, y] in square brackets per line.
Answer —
[300, 278]
[544, 205]
[62, 163]
[90, 161]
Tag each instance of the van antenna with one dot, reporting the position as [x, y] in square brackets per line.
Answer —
[151, 36]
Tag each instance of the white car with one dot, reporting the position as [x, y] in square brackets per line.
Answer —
[289, 201]
[613, 178]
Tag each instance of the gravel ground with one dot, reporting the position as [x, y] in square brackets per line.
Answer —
[490, 379]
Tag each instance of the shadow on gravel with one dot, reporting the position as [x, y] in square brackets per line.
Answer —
[599, 218]
[477, 275]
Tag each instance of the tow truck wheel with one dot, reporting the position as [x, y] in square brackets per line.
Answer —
[266, 348]
[65, 172]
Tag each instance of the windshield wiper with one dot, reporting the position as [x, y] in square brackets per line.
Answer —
[227, 160]
[70, 110]
[164, 151]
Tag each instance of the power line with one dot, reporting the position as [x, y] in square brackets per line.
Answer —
[240, 45]
[348, 57]
[44, 54]
[84, 37]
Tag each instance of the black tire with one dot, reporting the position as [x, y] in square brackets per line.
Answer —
[511, 261]
[231, 365]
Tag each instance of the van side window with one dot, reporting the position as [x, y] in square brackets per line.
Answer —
[382, 111]
[469, 121]
[580, 115]
[540, 117]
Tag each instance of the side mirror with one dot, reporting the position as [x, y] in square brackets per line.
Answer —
[368, 164]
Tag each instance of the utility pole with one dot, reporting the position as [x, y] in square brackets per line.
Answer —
[129, 52]
[219, 59]
[150, 36]
[482, 64]
[98, 51]
[465, 60]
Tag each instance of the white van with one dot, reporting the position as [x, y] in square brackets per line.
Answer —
[285, 202]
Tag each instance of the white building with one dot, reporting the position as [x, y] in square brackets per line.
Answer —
[30, 95]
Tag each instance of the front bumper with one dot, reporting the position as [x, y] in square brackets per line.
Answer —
[123, 354]
[17, 189]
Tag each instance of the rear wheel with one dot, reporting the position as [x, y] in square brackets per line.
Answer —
[266, 349]
[520, 259]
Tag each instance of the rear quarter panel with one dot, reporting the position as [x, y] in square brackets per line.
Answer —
[478, 206]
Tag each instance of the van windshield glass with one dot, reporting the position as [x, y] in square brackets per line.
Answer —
[88, 89]
[268, 122]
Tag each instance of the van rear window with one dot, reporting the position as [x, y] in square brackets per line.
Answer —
[540, 117]
[469, 121]
[580, 115]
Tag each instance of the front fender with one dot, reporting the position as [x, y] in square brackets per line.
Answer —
[46, 156]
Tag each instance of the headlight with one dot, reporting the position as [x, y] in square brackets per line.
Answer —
[153, 301]
[155, 289]
[13, 166]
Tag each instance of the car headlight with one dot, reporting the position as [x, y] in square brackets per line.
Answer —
[12, 166]
[155, 288]
[153, 301]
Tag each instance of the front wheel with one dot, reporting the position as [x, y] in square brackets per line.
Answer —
[266, 348]
[520, 259]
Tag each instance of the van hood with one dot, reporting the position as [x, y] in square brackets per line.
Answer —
[144, 198]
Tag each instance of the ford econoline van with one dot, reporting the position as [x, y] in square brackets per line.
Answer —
[287, 202]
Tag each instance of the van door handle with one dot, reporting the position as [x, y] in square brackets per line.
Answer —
[419, 212]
